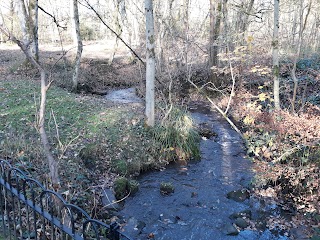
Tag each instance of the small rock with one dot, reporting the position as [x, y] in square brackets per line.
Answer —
[239, 195]
[166, 188]
[194, 194]
[243, 214]
[206, 131]
[240, 222]
[133, 227]
[231, 230]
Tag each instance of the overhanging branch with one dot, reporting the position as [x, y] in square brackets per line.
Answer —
[53, 17]
[89, 6]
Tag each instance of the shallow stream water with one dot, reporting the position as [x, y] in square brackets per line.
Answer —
[199, 208]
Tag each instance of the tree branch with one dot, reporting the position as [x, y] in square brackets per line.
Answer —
[53, 17]
[89, 6]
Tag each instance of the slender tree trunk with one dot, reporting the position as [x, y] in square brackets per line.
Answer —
[303, 23]
[150, 63]
[118, 30]
[52, 163]
[245, 22]
[23, 18]
[33, 27]
[186, 28]
[211, 36]
[162, 38]
[215, 22]
[275, 56]
[76, 21]
[127, 26]
[28, 17]
[11, 16]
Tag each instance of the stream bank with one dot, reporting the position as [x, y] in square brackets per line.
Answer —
[211, 197]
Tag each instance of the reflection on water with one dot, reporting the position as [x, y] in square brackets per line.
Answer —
[198, 209]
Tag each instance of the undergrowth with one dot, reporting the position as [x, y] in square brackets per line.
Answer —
[286, 151]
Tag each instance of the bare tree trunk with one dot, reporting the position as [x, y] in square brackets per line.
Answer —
[212, 59]
[33, 19]
[76, 69]
[303, 24]
[275, 56]
[52, 163]
[11, 16]
[162, 39]
[28, 17]
[150, 63]
[127, 26]
[215, 22]
[23, 18]
[245, 23]
[186, 28]
[118, 30]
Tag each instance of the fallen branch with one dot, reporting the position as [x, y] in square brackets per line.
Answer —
[218, 109]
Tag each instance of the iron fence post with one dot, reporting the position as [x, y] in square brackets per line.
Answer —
[114, 231]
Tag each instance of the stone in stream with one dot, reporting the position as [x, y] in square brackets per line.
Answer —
[242, 223]
[239, 195]
[231, 230]
[243, 214]
[133, 227]
[166, 188]
[206, 131]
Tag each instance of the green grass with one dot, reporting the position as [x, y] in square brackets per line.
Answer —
[86, 133]
[71, 120]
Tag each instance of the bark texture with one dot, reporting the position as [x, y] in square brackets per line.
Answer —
[275, 56]
[76, 69]
[28, 17]
[150, 63]
[215, 22]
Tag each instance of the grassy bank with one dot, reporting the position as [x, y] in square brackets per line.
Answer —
[94, 140]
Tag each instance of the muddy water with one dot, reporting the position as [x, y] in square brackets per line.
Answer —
[198, 209]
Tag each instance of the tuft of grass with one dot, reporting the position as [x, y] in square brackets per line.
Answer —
[177, 136]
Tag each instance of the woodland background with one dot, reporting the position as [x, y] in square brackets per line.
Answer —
[257, 62]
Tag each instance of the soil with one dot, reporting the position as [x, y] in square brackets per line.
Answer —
[96, 72]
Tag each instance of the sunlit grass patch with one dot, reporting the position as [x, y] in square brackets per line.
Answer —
[89, 132]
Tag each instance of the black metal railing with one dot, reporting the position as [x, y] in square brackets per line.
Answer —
[30, 211]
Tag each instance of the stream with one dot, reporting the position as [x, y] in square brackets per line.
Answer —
[198, 209]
